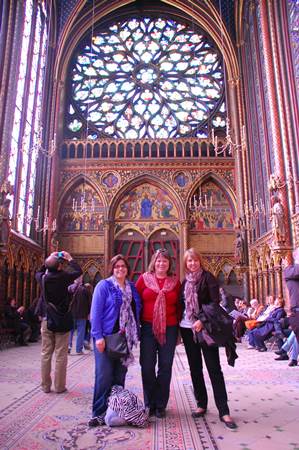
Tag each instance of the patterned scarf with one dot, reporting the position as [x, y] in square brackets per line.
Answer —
[191, 297]
[127, 322]
[159, 316]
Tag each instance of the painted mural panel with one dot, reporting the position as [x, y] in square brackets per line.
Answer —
[146, 202]
[82, 211]
[210, 209]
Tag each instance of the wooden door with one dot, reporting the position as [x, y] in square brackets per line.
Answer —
[131, 244]
[166, 239]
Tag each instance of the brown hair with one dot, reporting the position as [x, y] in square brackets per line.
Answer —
[160, 252]
[194, 254]
[114, 260]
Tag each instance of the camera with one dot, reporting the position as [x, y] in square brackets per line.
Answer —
[60, 255]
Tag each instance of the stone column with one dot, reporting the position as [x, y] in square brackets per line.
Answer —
[184, 244]
[108, 240]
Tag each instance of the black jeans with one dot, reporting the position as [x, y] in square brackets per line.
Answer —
[156, 385]
[194, 353]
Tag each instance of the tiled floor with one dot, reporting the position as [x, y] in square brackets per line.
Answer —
[263, 394]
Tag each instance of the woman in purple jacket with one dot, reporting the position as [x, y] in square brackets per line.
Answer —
[115, 307]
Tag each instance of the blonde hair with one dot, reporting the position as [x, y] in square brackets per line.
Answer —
[194, 254]
[165, 254]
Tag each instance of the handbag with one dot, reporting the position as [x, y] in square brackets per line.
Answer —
[57, 321]
[116, 345]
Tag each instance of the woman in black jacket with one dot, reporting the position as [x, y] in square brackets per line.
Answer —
[200, 288]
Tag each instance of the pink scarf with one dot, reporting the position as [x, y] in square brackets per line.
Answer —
[190, 291]
[159, 316]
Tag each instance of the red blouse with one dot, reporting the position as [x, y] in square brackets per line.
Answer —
[148, 298]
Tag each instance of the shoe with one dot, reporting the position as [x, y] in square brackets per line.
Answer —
[152, 411]
[198, 413]
[69, 350]
[279, 335]
[262, 349]
[229, 423]
[83, 352]
[160, 413]
[97, 421]
[61, 392]
[280, 352]
[293, 363]
[46, 390]
[87, 346]
[249, 347]
[282, 357]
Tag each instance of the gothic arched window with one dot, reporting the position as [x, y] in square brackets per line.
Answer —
[146, 78]
[26, 131]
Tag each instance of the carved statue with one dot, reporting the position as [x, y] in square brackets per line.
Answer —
[239, 249]
[4, 221]
[277, 220]
[274, 183]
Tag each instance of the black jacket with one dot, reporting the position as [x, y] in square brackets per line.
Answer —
[217, 323]
[57, 283]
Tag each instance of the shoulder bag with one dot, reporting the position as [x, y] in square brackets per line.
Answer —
[57, 321]
[116, 345]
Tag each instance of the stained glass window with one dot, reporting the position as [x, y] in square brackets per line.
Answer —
[27, 115]
[146, 78]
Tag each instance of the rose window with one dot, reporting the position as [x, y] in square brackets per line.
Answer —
[146, 78]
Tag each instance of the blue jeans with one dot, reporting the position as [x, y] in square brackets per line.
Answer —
[293, 345]
[80, 325]
[107, 373]
[156, 385]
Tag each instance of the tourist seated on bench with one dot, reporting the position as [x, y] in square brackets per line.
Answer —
[14, 319]
[258, 336]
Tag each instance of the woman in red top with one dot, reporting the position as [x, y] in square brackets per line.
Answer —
[159, 292]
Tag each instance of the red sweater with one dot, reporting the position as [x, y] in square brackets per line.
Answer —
[148, 298]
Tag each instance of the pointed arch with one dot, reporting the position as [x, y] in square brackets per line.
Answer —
[220, 182]
[74, 182]
[154, 181]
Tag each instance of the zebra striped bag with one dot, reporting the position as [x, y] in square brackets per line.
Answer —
[128, 406]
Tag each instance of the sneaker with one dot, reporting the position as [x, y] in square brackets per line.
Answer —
[97, 421]
[83, 352]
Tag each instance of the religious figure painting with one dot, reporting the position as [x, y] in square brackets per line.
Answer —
[181, 179]
[110, 180]
[82, 210]
[146, 202]
[210, 209]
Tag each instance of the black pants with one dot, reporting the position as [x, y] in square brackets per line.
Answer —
[194, 353]
[156, 383]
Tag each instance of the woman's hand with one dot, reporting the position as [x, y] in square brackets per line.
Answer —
[100, 345]
[197, 326]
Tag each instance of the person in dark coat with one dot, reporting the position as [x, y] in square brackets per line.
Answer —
[14, 318]
[291, 277]
[55, 344]
[199, 291]
[80, 307]
[258, 336]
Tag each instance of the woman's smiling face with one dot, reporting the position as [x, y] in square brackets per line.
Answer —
[192, 264]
